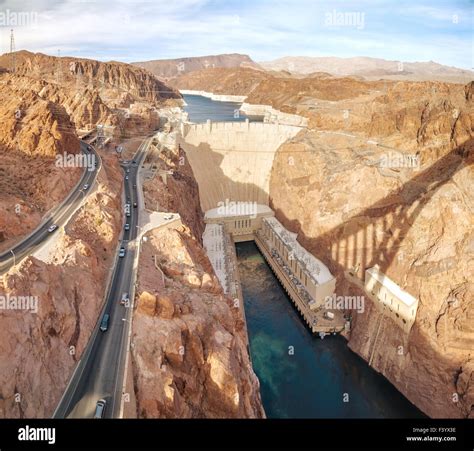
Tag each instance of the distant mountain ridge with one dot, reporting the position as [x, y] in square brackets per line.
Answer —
[370, 68]
[168, 68]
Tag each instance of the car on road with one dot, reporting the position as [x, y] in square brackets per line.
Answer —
[128, 214]
[128, 171]
[125, 299]
[127, 227]
[104, 324]
[52, 228]
[168, 217]
[134, 186]
[122, 252]
[126, 177]
[85, 187]
[135, 205]
[100, 408]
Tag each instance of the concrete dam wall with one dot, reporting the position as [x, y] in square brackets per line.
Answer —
[233, 160]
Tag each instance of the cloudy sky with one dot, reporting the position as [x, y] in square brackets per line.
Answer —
[136, 30]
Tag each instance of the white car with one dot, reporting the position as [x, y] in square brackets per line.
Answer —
[85, 187]
[125, 300]
[52, 228]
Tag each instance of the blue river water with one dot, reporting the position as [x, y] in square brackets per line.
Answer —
[301, 376]
[200, 109]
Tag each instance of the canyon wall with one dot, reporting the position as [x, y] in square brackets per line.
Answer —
[350, 194]
[33, 131]
[39, 350]
[190, 352]
[111, 79]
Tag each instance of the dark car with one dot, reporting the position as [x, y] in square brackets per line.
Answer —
[104, 324]
[100, 408]
[135, 205]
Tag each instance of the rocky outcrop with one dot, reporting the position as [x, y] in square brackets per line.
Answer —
[190, 354]
[190, 351]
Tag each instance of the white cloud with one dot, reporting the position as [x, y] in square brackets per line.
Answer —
[133, 30]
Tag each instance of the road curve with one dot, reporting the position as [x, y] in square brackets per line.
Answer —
[59, 216]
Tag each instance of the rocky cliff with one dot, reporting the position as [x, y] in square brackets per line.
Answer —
[40, 349]
[33, 131]
[111, 79]
[355, 198]
[189, 345]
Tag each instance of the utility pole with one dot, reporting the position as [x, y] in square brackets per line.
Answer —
[12, 51]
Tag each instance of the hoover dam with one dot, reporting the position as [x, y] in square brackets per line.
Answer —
[232, 163]
[233, 160]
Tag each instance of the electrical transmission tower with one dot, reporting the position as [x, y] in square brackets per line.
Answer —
[12, 51]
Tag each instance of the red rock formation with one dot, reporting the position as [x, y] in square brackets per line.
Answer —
[39, 350]
[190, 348]
[33, 131]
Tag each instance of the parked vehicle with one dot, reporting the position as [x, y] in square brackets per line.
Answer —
[329, 315]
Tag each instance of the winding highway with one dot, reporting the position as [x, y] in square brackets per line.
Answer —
[100, 372]
[59, 216]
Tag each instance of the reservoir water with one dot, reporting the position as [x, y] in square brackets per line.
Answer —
[200, 109]
[301, 376]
